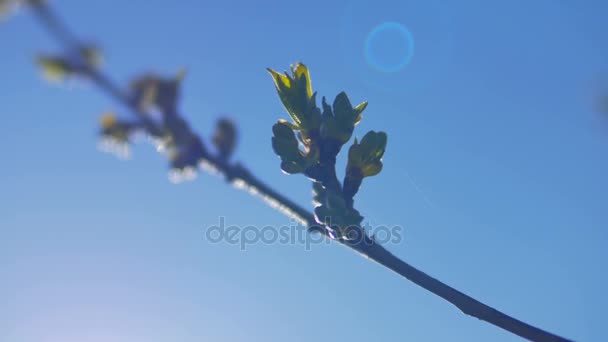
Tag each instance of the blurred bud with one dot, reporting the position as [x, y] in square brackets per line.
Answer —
[151, 91]
[225, 137]
[162, 142]
[185, 156]
[91, 55]
[112, 126]
[296, 94]
[285, 145]
[108, 120]
[7, 6]
[115, 135]
[55, 68]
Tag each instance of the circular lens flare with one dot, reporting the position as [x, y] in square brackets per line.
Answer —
[397, 46]
[389, 47]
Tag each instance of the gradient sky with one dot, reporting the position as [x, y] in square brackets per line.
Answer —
[496, 168]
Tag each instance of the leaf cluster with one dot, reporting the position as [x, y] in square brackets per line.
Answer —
[310, 143]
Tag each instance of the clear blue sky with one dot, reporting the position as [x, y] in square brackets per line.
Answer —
[497, 167]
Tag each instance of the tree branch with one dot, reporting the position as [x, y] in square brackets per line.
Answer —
[241, 177]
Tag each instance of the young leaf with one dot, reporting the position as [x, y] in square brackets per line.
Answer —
[298, 98]
[339, 122]
[285, 145]
[364, 160]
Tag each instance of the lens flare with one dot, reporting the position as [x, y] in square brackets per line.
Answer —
[398, 46]
[389, 47]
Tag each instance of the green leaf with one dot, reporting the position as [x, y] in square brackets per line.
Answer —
[365, 157]
[297, 96]
[284, 142]
[372, 169]
[285, 145]
[302, 73]
[343, 110]
[289, 124]
[339, 122]
[358, 110]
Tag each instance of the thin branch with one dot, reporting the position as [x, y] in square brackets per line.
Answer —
[465, 303]
[241, 177]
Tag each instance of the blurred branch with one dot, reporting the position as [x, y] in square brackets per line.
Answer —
[238, 175]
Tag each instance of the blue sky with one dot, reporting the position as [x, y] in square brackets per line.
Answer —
[496, 168]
